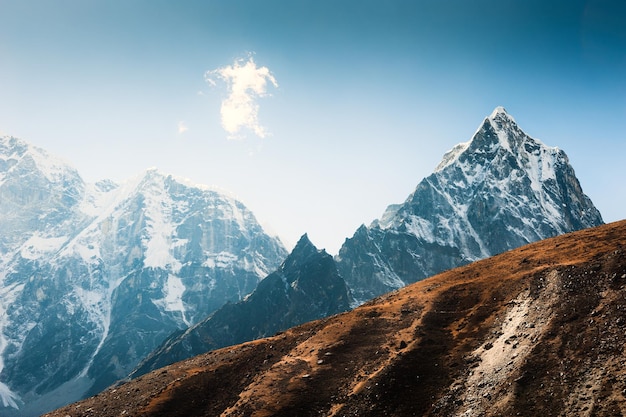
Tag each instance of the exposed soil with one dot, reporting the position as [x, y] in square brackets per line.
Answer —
[535, 331]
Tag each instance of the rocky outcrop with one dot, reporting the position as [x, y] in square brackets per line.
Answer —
[305, 287]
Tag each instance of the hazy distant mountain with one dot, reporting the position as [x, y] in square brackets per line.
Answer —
[306, 287]
[500, 190]
[93, 277]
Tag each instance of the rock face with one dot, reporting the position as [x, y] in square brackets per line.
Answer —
[93, 277]
[499, 191]
[536, 331]
[305, 287]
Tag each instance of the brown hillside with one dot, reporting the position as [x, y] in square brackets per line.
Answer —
[535, 331]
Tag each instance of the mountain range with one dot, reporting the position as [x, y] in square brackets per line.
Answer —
[306, 287]
[98, 280]
[500, 190]
[534, 331]
[93, 277]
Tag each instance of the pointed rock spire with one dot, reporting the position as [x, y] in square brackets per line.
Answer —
[304, 244]
[304, 249]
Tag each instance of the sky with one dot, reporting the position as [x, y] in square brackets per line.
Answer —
[315, 114]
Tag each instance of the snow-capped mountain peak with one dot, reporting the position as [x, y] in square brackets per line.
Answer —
[94, 276]
[500, 113]
[499, 121]
[14, 151]
[497, 136]
[497, 191]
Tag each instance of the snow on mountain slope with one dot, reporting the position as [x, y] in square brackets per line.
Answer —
[54, 188]
[498, 191]
[94, 276]
[305, 287]
[536, 331]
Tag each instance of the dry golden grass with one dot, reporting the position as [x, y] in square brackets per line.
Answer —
[534, 331]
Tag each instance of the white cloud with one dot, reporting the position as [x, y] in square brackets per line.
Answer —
[246, 83]
[182, 127]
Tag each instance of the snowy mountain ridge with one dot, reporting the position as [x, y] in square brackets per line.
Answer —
[305, 287]
[94, 276]
[498, 191]
[14, 151]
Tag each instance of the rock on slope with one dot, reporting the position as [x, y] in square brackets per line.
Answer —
[305, 287]
[534, 331]
[500, 190]
[93, 277]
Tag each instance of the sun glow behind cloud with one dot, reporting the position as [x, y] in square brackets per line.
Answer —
[246, 83]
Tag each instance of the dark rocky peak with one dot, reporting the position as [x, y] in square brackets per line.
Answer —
[307, 286]
[502, 122]
[304, 248]
[301, 253]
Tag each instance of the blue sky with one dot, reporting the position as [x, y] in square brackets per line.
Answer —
[364, 96]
